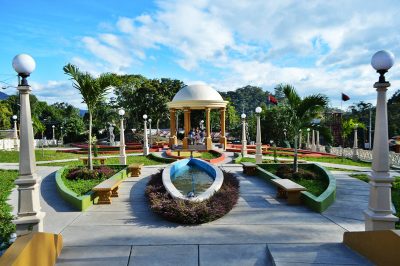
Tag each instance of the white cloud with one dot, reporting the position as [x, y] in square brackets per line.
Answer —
[318, 46]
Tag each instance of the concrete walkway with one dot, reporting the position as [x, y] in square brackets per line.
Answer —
[260, 230]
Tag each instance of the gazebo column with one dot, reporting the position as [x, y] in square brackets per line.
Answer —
[208, 140]
[172, 138]
[222, 138]
[186, 124]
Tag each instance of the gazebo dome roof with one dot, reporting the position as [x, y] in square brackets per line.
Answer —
[197, 92]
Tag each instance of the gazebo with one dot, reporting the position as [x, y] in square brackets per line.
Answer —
[196, 97]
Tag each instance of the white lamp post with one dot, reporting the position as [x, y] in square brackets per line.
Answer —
[300, 138]
[308, 139]
[379, 215]
[122, 153]
[258, 137]
[318, 148]
[15, 133]
[62, 136]
[145, 141]
[355, 144]
[202, 124]
[54, 135]
[313, 148]
[29, 217]
[150, 140]
[244, 142]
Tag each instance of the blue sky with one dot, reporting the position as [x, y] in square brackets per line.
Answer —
[317, 46]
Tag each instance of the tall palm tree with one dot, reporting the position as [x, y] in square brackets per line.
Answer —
[302, 112]
[93, 91]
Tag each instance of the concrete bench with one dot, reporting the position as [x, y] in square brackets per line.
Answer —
[249, 168]
[288, 189]
[85, 159]
[135, 169]
[107, 189]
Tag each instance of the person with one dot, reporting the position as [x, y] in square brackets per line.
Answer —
[202, 136]
[197, 136]
[191, 136]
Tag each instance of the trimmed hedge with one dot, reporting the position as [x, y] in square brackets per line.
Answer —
[81, 203]
[192, 212]
[318, 204]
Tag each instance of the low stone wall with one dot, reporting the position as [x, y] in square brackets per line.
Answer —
[219, 159]
[81, 203]
[318, 204]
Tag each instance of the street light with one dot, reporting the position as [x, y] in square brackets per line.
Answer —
[150, 140]
[379, 215]
[308, 139]
[300, 138]
[355, 144]
[258, 137]
[54, 135]
[145, 141]
[313, 146]
[14, 117]
[29, 217]
[122, 153]
[62, 136]
[244, 142]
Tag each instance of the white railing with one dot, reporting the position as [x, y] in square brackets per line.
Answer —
[365, 155]
[9, 144]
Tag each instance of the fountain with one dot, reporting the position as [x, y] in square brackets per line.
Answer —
[192, 179]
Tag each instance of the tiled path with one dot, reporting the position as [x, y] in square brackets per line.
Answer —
[260, 230]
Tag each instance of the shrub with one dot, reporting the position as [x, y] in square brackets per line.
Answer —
[286, 171]
[85, 173]
[189, 212]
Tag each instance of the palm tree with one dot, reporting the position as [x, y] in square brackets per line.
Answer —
[92, 90]
[302, 111]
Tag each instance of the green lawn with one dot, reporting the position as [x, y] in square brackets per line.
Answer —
[130, 159]
[344, 161]
[49, 155]
[395, 192]
[340, 169]
[6, 185]
[81, 186]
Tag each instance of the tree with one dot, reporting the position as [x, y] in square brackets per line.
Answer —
[93, 90]
[302, 111]
[5, 115]
[348, 127]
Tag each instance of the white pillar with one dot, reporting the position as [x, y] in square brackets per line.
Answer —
[16, 146]
[355, 145]
[308, 140]
[150, 140]
[145, 141]
[318, 148]
[313, 148]
[379, 215]
[300, 138]
[29, 217]
[122, 152]
[258, 141]
[244, 141]
[54, 135]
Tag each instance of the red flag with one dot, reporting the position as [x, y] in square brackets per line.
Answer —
[272, 99]
[345, 97]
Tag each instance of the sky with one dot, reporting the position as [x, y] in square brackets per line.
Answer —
[316, 46]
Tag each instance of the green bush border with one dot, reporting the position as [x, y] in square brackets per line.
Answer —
[81, 203]
[318, 204]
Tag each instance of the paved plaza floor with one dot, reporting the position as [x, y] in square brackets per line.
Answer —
[260, 230]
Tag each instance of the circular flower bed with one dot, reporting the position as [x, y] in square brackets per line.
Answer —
[189, 212]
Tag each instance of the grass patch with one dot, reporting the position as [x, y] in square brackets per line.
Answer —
[81, 180]
[130, 159]
[189, 212]
[47, 155]
[7, 178]
[395, 192]
[340, 169]
[344, 161]
[305, 177]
